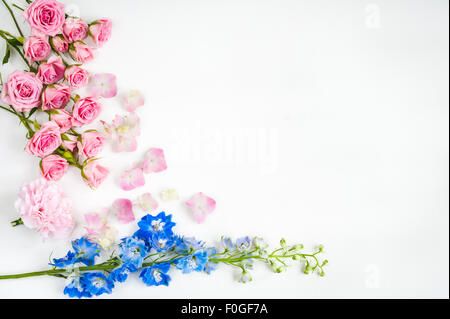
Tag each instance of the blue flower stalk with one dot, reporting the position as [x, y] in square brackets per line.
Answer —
[155, 249]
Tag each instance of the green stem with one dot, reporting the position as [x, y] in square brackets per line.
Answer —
[16, 223]
[3, 34]
[16, 6]
[14, 18]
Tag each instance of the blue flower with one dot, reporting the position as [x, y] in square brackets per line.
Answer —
[75, 289]
[195, 262]
[160, 242]
[210, 266]
[65, 262]
[97, 284]
[244, 244]
[85, 251]
[160, 225]
[132, 252]
[227, 243]
[185, 245]
[156, 275]
[120, 274]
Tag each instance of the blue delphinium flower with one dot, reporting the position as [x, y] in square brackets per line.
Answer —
[184, 245]
[120, 274]
[149, 226]
[160, 242]
[244, 244]
[75, 289]
[65, 262]
[195, 262]
[97, 284]
[210, 266]
[132, 252]
[85, 251]
[156, 275]
[227, 243]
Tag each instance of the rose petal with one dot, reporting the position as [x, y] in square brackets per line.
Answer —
[201, 205]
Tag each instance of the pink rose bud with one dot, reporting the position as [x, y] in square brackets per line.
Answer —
[53, 167]
[76, 77]
[75, 29]
[100, 31]
[63, 119]
[55, 97]
[91, 143]
[94, 174]
[46, 16]
[22, 91]
[45, 141]
[70, 142]
[81, 52]
[51, 71]
[86, 111]
[36, 49]
[59, 43]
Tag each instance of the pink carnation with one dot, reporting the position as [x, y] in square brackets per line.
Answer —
[53, 167]
[55, 97]
[46, 16]
[36, 49]
[100, 31]
[45, 208]
[75, 29]
[76, 77]
[51, 71]
[22, 91]
[45, 141]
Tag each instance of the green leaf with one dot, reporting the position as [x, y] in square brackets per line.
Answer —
[7, 54]
[14, 42]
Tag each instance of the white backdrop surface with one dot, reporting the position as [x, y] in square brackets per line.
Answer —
[324, 122]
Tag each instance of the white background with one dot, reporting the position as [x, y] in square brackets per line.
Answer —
[325, 122]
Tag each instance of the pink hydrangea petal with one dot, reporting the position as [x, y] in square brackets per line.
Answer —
[104, 85]
[124, 210]
[147, 202]
[133, 100]
[132, 179]
[154, 161]
[201, 205]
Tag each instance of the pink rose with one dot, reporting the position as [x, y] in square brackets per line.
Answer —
[46, 16]
[85, 111]
[63, 119]
[51, 71]
[36, 49]
[22, 91]
[100, 31]
[53, 167]
[59, 43]
[75, 29]
[44, 207]
[94, 174]
[76, 77]
[70, 142]
[81, 52]
[55, 97]
[91, 143]
[45, 141]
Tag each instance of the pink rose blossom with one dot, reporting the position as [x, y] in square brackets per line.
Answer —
[70, 142]
[123, 208]
[81, 52]
[46, 16]
[59, 43]
[53, 167]
[63, 119]
[44, 207]
[55, 97]
[201, 205]
[147, 203]
[76, 77]
[100, 31]
[133, 100]
[132, 179]
[85, 111]
[154, 161]
[75, 29]
[36, 49]
[45, 141]
[104, 85]
[51, 71]
[22, 91]
[94, 174]
[91, 143]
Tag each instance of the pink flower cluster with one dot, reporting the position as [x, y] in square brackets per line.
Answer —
[49, 87]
